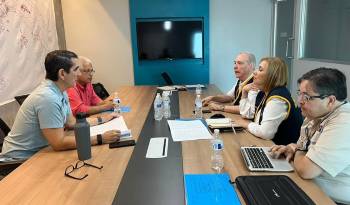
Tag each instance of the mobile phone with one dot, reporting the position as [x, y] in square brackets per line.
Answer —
[122, 144]
[203, 111]
[206, 111]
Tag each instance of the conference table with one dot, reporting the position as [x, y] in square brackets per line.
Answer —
[41, 179]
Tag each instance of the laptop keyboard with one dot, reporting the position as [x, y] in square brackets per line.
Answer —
[258, 158]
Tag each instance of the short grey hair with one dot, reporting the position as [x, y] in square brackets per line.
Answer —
[251, 58]
[85, 60]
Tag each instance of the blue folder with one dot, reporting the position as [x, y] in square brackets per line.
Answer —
[209, 189]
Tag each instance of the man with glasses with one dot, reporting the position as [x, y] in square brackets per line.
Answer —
[323, 149]
[243, 68]
[82, 96]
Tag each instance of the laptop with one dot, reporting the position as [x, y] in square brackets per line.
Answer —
[259, 159]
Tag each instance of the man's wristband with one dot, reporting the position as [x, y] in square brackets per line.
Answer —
[99, 120]
[299, 149]
[99, 139]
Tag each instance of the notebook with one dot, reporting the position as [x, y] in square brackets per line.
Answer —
[271, 190]
[259, 159]
[223, 124]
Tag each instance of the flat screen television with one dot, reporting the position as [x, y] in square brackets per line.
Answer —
[169, 39]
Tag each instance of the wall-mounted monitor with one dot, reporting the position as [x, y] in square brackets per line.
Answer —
[169, 39]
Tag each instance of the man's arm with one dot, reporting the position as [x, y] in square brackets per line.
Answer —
[59, 142]
[225, 108]
[103, 106]
[218, 98]
[306, 168]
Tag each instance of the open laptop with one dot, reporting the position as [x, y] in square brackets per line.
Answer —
[258, 159]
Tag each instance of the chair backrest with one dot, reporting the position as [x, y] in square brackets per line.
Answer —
[4, 130]
[20, 99]
[100, 90]
[167, 78]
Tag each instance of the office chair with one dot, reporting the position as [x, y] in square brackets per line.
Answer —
[6, 167]
[20, 99]
[167, 78]
[100, 90]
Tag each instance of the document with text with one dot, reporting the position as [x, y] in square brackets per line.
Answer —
[183, 130]
[115, 124]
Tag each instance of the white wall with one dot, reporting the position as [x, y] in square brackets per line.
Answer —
[100, 30]
[301, 66]
[237, 25]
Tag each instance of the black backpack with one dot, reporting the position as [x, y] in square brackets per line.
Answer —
[100, 90]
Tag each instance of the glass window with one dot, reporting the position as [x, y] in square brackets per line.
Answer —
[327, 30]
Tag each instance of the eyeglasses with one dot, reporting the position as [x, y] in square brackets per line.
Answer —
[306, 98]
[78, 165]
[92, 71]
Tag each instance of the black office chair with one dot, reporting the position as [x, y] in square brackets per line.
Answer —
[100, 90]
[6, 167]
[167, 78]
[20, 99]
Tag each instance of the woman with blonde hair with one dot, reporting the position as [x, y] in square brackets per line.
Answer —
[272, 109]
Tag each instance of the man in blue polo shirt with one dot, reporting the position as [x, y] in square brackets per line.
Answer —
[46, 112]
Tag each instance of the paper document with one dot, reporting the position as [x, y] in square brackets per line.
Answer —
[157, 147]
[210, 189]
[115, 124]
[182, 130]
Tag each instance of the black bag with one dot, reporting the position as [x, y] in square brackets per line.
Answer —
[271, 190]
[100, 90]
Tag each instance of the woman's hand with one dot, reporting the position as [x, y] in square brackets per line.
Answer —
[247, 88]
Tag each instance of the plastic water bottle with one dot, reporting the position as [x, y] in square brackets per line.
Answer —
[166, 105]
[116, 102]
[198, 107]
[198, 90]
[217, 159]
[82, 137]
[158, 108]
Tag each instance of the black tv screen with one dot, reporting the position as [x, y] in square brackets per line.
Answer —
[169, 39]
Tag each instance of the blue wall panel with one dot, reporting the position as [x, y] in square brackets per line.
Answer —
[181, 71]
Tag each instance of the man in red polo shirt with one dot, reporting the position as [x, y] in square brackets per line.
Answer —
[82, 96]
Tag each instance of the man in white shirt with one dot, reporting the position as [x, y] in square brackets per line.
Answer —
[323, 149]
[243, 68]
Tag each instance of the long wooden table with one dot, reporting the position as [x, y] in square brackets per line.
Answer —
[41, 180]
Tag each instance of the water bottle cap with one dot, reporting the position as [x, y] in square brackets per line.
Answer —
[216, 131]
[81, 115]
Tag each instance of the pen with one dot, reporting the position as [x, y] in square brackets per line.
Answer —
[164, 147]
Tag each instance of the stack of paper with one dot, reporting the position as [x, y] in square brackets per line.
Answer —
[115, 124]
[182, 130]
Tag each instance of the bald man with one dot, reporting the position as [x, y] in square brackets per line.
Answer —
[244, 65]
[82, 97]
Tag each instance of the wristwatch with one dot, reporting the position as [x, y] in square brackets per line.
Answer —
[99, 139]
[223, 108]
[99, 120]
